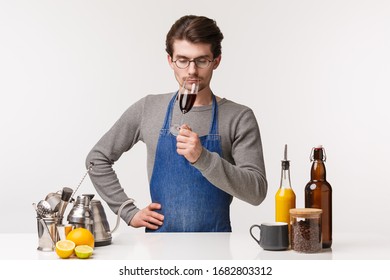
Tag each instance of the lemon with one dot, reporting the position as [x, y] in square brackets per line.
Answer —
[83, 251]
[64, 248]
[81, 236]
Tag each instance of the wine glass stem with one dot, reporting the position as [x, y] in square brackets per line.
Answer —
[181, 120]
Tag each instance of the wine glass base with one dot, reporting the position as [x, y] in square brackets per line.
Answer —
[174, 129]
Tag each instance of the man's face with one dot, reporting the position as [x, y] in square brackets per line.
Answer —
[183, 49]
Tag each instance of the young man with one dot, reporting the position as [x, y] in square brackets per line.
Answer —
[194, 175]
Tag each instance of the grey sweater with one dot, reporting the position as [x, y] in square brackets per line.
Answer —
[240, 171]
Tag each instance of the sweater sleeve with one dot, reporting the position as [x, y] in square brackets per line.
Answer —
[246, 177]
[119, 139]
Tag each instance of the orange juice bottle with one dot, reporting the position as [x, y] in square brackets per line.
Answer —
[285, 196]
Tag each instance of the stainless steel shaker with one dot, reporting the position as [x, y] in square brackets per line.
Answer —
[81, 213]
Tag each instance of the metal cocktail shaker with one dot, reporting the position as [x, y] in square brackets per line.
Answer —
[81, 214]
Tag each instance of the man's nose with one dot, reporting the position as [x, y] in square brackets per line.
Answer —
[192, 69]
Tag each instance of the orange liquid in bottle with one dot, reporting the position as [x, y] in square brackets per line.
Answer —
[284, 201]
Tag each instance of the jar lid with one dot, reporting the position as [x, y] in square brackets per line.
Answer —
[306, 212]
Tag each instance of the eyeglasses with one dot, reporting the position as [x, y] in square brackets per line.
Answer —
[183, 63]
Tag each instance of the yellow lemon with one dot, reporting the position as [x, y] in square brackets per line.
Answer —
[81, 236]
[64, 248]
[83, 251]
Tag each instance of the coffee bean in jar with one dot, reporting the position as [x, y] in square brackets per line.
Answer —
[306, 232]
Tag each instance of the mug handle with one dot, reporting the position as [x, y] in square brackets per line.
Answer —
[250, 231]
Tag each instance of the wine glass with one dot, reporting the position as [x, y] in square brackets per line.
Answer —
[186, 97]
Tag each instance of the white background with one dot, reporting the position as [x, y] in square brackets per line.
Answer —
[314, 72]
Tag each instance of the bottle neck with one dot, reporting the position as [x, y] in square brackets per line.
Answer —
[318, 171]
[285, 181]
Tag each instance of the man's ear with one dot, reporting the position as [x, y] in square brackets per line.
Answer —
[169, 58]
[217, 61]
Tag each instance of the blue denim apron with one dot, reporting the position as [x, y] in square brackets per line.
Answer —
[189, 202]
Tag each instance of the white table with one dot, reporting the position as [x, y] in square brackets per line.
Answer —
[129, 245]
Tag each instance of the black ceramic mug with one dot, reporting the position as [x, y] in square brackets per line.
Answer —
[273, 236]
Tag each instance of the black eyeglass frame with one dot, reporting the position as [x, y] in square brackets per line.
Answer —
[194, 61]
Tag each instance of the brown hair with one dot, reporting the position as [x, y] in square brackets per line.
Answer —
[195, 29]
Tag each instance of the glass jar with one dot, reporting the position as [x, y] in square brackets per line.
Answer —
[306, 231]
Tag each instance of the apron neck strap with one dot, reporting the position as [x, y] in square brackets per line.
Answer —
[214, 117]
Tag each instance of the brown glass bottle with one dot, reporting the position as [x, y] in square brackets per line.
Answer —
[318, 194]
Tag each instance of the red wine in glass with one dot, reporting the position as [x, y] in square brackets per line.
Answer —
[186, 101]
[186, 98]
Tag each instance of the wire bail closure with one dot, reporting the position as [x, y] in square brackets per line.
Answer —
[312, 153]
